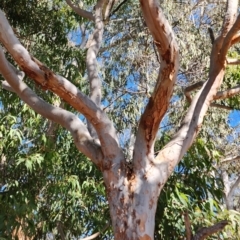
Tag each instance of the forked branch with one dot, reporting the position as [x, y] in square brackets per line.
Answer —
[60, 86]
[167, 47]
[189, 89]
[173, 152]
[81, 136]
[220, 95]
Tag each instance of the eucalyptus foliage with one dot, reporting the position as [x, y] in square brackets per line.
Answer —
[50, 189]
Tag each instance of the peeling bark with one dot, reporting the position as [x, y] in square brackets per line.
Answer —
[172, 153]
[230, 17]
[227, 42]
[133, 187]
[157, 106]
[235, 39]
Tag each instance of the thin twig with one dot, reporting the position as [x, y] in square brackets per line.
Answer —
[117, 8]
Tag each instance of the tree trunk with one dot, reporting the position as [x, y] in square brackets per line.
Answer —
[132, 196]
[132, 187]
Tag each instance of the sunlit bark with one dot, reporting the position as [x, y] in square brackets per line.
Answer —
[132, 186]
[82, 139]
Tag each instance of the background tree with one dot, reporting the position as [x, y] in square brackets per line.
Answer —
[132, 79]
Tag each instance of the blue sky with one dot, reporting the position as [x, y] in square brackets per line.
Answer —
[234, 118]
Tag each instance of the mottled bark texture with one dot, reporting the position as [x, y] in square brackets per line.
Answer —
[132, 187]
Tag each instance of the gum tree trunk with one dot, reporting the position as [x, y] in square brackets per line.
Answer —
[132, 187]
[132, 197]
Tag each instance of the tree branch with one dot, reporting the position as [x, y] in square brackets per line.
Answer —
[173, 152]
[191, 88]
[227, 93]
[81, 137]
[229, 19]
[205, 232]
[233, 187]
[233, 61]
[60, 230]
[20, 74]
[229, 37]
[187, 226]
[220, 95]
[230, 159]
[117, 42]
[79, 11]
[108, 8]
[118, 7]
[6, 86]
[221, 106]
[62, 87]
[94, 45]
[169, 57]
[235, 39]
[211, 34]
[226, 185]
[52, 126]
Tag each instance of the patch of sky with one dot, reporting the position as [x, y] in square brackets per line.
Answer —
[75, 36]
[199, 15]
[234, 118]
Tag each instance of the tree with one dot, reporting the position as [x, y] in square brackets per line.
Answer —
[133, 185]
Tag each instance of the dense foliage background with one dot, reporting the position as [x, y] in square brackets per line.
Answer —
[48, 190]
